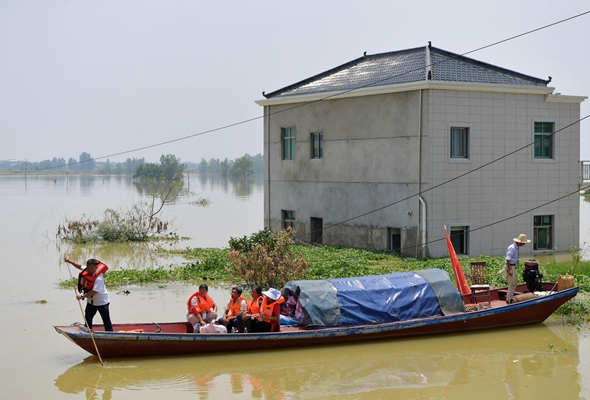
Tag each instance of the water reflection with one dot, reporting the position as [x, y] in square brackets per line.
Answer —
[519, 363]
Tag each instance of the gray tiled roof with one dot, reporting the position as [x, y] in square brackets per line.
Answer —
[405, 66]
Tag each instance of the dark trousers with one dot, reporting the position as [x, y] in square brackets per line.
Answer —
[249, 324]
[263, 326]
[104, 314]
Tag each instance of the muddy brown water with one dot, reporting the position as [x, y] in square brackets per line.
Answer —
[543, 361]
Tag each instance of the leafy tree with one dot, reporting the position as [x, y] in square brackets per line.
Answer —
[203, 165]
[270, 260]
[87, 163]
[162, 182]
[242, 167]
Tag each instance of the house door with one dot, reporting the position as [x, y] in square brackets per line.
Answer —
[394, 239]
[317, 225]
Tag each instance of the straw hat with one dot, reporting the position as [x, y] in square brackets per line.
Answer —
[522, 239]
[272, 294]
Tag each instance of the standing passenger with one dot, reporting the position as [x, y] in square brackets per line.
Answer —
[201, 308]
[249, 318]
[512, 258]
[91, 284]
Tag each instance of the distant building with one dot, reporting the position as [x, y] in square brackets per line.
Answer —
[376, 153]
[7, 163]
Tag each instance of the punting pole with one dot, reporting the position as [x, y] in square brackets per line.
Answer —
[86, 322]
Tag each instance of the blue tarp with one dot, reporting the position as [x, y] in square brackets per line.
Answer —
[377, 299]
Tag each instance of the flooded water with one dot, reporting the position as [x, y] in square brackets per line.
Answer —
[544, 361]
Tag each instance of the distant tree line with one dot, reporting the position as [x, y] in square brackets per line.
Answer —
[242, 167]
[239, 168]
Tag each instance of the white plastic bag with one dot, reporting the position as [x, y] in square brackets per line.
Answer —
[213, 328]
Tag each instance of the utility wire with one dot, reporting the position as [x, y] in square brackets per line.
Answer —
[314, 101]
[442, 183]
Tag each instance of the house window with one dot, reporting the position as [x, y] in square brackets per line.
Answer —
[317, 145]
[543, 232]
[543, 140]
[459, 142]
[460, 239]
[288, 143]
[288, 219]
[394, 240]
[317, 225]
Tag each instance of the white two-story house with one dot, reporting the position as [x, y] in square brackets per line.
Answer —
[384, 151]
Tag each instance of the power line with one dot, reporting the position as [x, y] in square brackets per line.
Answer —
[442, 183]
[314, 101]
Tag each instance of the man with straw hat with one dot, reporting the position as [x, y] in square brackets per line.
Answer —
[512, 255]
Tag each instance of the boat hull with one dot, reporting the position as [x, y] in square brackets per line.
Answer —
[177, 338]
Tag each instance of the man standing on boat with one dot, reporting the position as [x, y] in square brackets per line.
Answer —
[91, 284]
[201, 308]
[512, 256]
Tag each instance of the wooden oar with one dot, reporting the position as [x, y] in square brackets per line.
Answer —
[85, 322]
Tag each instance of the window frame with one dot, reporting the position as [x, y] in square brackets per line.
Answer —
[551, 234]
[319, 147]
[288, 219]
[466, 147]
[289, 142]
[541, 158]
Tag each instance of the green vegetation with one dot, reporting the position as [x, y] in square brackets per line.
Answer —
[161, 183]
[338, 262]
[266, 258]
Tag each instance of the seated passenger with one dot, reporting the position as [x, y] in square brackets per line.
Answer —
[201, 308]
[288, 307]
[235, 305]
[270, 311]
[247, 320]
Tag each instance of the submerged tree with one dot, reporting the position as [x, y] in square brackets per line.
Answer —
[162, 182]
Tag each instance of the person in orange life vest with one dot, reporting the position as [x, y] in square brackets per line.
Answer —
[235, 305]
[247, 319]
[91, 283]
[201, 308]
[270, 311]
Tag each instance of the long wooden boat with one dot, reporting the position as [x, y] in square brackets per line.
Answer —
[174, 338]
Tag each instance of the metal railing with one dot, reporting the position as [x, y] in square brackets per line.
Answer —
[584, 171]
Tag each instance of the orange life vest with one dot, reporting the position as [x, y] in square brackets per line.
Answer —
[266, 311]
[86, 281]
[254, 305]
[234, 306]
[204, 305]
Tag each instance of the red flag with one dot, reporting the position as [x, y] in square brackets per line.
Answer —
[457, 270]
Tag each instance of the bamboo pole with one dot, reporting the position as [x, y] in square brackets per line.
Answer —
[86, 322]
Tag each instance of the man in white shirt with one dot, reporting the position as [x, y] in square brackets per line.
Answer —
[512, 258]
[95, 293]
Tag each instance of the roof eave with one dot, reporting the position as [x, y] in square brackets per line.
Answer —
[406, 87]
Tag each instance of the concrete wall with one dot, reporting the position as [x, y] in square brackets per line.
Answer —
[500, 124]
[371, 161]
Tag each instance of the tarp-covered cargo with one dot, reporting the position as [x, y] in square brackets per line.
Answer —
[377, 299]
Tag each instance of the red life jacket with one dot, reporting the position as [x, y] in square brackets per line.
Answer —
[204, 305]
[266, 311]
[86, 281]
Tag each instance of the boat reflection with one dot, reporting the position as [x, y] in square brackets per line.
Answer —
[513, 363]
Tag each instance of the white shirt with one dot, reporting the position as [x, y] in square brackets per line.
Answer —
[513, 253]
[102, 296]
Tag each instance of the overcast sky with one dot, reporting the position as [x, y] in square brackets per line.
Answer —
[106, 77]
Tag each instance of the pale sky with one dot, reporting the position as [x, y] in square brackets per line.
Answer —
[109, 76]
